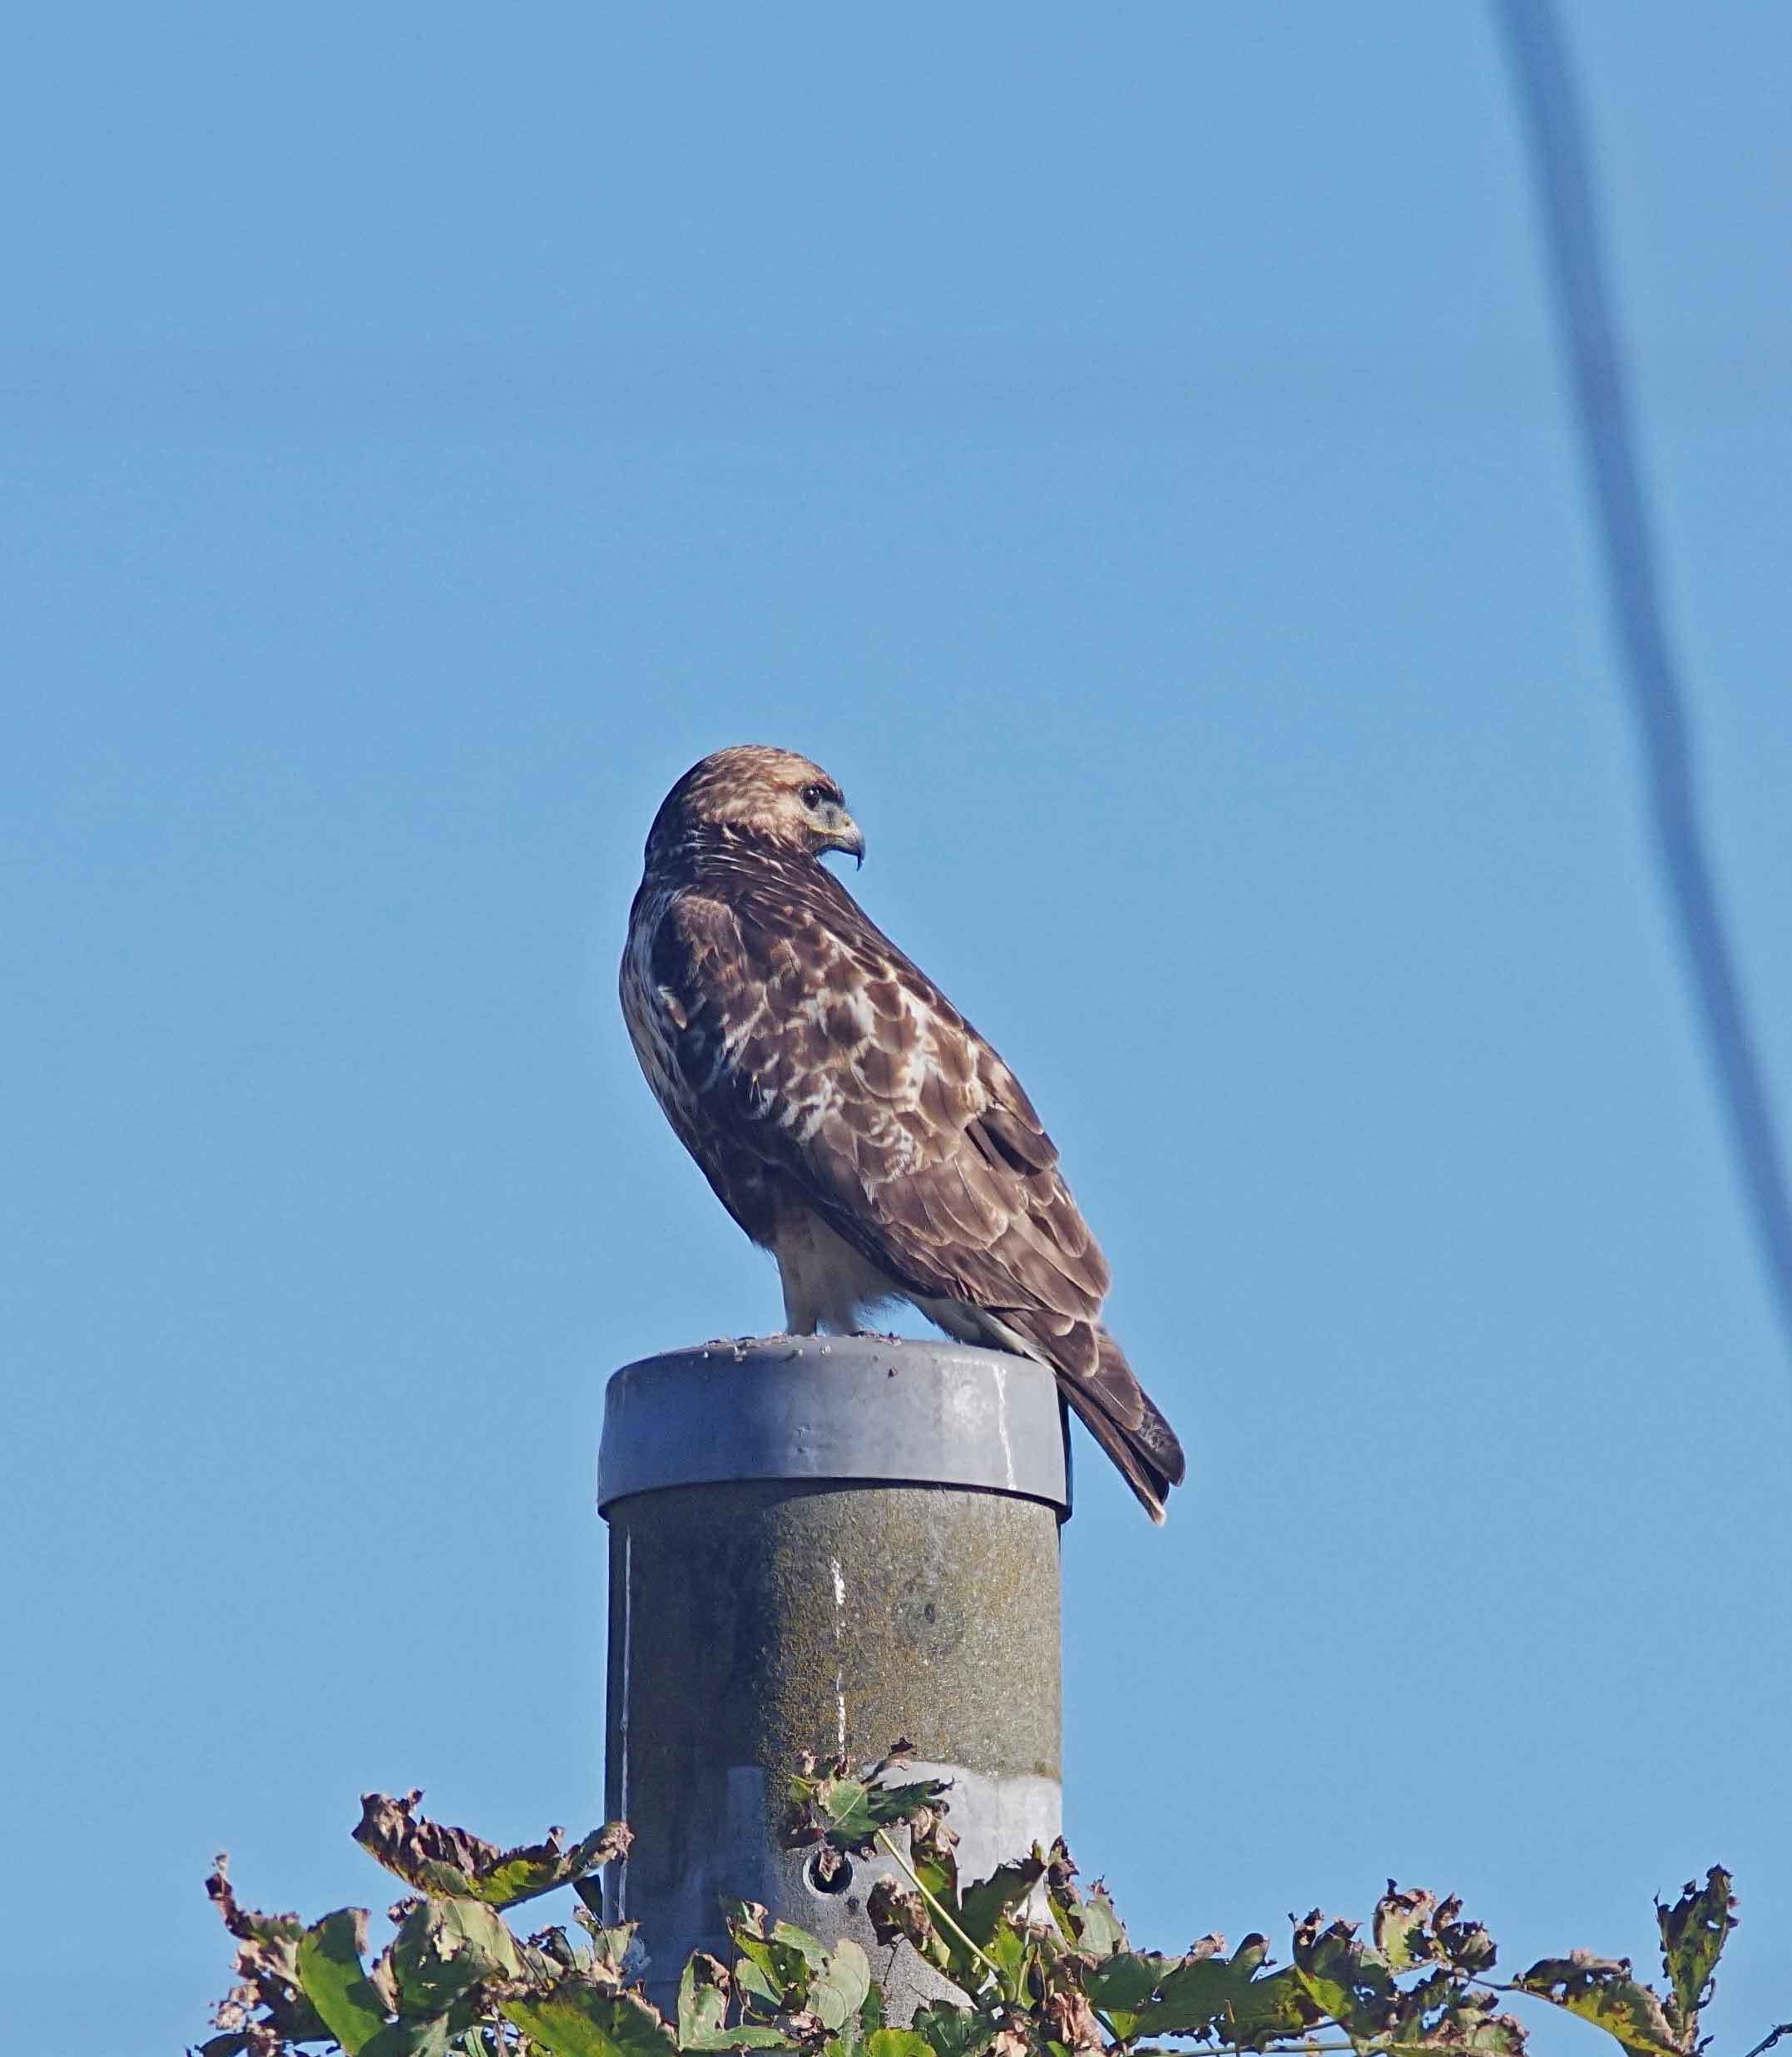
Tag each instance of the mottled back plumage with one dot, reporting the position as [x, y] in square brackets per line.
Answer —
[845, 1113]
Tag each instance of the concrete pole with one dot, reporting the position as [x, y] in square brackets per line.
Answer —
[824, 1543]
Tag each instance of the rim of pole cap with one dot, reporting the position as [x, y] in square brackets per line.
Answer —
[845, 1409]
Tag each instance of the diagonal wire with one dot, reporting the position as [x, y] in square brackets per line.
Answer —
[1556, 133]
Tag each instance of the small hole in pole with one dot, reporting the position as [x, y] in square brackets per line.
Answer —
[828, 1870]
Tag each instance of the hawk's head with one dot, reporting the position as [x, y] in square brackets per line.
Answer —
[759, 792]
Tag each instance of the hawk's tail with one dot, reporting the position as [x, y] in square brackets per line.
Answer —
[1122, 1418]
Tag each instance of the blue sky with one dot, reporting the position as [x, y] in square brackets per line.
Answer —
[1128, 449]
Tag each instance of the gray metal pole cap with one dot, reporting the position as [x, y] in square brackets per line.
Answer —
[836, 1407]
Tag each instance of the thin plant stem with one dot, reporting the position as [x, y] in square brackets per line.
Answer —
[1122, 2041]
[939, 1908]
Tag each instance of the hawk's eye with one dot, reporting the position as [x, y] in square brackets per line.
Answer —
[814, 796]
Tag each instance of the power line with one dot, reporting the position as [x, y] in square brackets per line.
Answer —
[1556, 132]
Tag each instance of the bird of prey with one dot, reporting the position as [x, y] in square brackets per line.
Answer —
[847, 1115]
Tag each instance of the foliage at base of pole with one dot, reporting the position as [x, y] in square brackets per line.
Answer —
[1041, 1967]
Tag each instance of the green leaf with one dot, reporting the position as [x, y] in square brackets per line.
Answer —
[932, 1855]
[1491, 2035]
[848, 1812]
[845, 1805]
[987, 1905]
[1465, 1945]
[1349, 1981]
[444, 1946]
[1100, 1931]
[839, 1989]
[1231, 1996]
[1602, 1990]
[336, 1981]
[1007, 1950]
[1266, 2008]
[577, 2020]
[1190, 1997]
[896, 2043]
[1693, 1931]
[703, 2011]
[702, 1998]
[752, 1976]
[1469, 2023]
[757, 1968]
[1125, 1980]
[411, 2039]
[1121, 1986]
[954, 2031]
[776, 1961]
[450, 1862]
[1192, 1991]
[1414, 1927]
[1400, 1926]
[526, 1873]
[813, 1951]
[871, 2011]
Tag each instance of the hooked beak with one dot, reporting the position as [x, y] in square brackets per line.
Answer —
[851, 837]
[844, 833]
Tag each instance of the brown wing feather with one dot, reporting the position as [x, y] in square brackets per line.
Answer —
[831, 1058]
[804, 1043]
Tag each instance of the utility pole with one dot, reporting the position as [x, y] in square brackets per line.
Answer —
[824, 1543]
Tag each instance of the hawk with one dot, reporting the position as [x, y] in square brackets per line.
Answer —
[846, 1114]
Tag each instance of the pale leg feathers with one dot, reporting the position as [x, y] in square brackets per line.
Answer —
[828, 1285]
